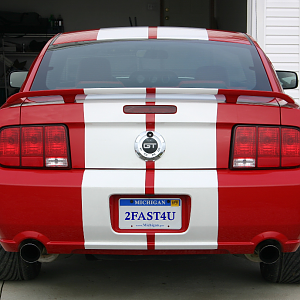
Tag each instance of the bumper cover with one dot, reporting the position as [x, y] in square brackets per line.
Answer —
[69, 211]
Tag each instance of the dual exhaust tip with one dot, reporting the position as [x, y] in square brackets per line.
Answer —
[33, 251]
[267, 251]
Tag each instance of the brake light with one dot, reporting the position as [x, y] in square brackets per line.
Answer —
[10, 146]
[34, 146]
[265, 147]
[268, 147]
[290, 151]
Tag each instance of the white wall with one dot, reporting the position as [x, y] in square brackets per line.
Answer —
[91, 14]
[275, 24]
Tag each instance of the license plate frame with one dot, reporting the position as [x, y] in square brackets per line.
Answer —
[114, 212]
[150, 213]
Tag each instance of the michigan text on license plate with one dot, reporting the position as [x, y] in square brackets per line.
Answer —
[144, 213]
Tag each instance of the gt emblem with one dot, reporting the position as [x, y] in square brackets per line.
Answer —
[149, 145]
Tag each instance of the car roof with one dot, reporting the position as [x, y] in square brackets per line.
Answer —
[142, 33]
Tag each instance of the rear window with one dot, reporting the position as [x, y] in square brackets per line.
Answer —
[152, 63]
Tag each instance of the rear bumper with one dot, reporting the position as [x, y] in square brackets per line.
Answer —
[69, 210]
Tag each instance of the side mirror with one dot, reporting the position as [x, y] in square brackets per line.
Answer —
[16, 79]
[288, 79]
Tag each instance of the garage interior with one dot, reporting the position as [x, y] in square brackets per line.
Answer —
[19, 46]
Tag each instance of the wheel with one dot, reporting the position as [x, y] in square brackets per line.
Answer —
[13, 267]
[285, 270]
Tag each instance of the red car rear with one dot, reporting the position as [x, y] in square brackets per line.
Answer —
[150, 141]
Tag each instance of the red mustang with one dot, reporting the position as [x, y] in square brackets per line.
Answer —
[150, 141]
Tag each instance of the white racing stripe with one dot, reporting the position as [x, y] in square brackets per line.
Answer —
[97, 187]
[110, 134]
[109, 140]
[202, 187]
[182, 33]
[123, 33]
[190, 134]
[190, 137]
[140, 33]
[114, 91]
[187, 91]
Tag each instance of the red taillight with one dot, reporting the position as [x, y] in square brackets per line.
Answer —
[56, 151]
[290, 149]
[266, 147]
[244, 147]
[10, 146]
[34, 146]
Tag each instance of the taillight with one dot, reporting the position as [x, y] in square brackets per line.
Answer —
[244, 147]
[10, 146]
[34, 146]
[268, 147]
[290, 147]
[265, 147]
[56, 151]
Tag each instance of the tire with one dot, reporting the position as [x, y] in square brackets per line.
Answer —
[13, 267]
[285, 270]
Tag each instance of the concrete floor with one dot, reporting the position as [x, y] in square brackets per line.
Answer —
[211, 277]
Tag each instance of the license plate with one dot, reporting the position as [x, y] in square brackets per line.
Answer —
[147, 213]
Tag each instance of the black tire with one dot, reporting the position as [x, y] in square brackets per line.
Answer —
[285, 270]
[13, 267]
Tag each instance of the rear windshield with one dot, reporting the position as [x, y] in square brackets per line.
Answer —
[152, 63]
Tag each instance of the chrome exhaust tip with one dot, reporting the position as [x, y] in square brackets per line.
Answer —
[31, 251]
[269, 253]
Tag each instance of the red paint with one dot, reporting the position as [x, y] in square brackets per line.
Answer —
[69, 114]
[10, 116]
[149, 178]
[232, 95]
[150, 118]
[73, 37]
[47, 201]
[150, 93]
[226, 36]
[150, 241]
[68, 96]
[254, 204]
[150, 165]
[152, 33]
[254, 197]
